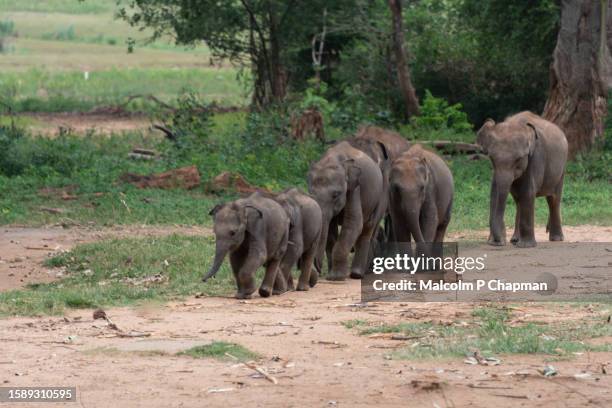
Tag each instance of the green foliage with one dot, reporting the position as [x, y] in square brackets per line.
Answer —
[36, 90]
[7, 28]
[64, 34]
[221, 350]
[121, 272]
[437, 114]
[492, 334]
[314, 98]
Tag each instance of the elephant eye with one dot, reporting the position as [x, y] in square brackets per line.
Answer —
[232, 233]
[336, 194]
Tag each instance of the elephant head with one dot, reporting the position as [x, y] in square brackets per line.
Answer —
[410, 179]
[230, 227]
[510, 147]
[330, 181]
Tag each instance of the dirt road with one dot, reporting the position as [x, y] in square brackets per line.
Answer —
[317, 361]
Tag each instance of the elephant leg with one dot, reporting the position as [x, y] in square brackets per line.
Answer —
[441, 230]
[280, 284]
[308, 276]
[429, 222]
[517, 218]
[555, 232]
[289, 260]
[332, 238]
[265, 289]
[237, 259]
[246, 275]
[526, 219]
[352, 225]
[362, 250]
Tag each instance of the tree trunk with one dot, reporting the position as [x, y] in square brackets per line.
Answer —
[277, 69]
[411, 102]
[577, 100]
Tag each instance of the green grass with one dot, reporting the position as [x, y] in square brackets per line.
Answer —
[94, 164]
[219, 350]
[118, 272]
[59, 6]
[44, 91]
[491, 334]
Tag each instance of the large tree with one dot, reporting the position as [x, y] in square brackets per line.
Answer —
[411, 102]
[256, 34]
[579, 74]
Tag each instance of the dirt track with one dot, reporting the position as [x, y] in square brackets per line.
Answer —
[316, 360]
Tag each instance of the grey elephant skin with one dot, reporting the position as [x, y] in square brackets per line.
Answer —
[383, 146]
[305, 229]
[254, 231]
[420, 196]
[348, 185]
[528, 154]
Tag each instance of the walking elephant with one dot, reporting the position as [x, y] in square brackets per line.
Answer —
[420, 196]
[305, 229]
[348, 185]
[528, 154]
[383, 146]
[254, 231]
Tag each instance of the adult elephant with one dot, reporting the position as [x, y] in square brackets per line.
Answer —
[348, 185]
[528, 154]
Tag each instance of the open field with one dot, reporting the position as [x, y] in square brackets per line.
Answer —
[73, 56]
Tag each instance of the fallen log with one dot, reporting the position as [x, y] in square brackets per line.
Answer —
[230, 182]
[184, 177]
[446, 146]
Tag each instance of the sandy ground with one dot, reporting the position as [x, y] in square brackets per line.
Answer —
[50, 124]
[316, 361]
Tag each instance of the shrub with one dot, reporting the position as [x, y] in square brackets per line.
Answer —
[437, 114]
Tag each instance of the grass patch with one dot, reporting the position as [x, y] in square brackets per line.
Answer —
[38, 90]
[123, 272]
[219, 350]
[491, 334]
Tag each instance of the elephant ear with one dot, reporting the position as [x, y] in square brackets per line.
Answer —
[353, 172]
[533, 138]
[425, 169]
[215, 209]
[249, 208]
[384, 151]
[483, 136]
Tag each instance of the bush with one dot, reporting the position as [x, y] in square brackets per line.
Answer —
[437, 114]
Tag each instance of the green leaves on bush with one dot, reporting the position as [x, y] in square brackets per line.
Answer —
[437, 114]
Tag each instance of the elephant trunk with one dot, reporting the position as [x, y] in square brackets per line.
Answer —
[220, 252]
[414, 225]
[499, 194]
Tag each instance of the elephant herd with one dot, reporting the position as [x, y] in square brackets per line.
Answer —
[378, 175]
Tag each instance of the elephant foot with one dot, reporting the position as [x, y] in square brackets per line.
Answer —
[264, 291]
[556, 237]
[313, 280]
[335, 277]
[302, 287]
[515, 238]
[494, 242]
[277, 292]
[243, 295]
[356, 275]
[525, 243]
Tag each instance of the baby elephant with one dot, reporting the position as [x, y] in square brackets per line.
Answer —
[305, 228]
[528, 154]
[254, 231]
[420, 196]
